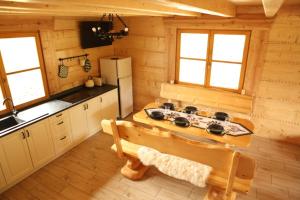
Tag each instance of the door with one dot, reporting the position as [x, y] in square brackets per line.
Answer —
[94, 115]
[126, 99]
[40, 142]
[109, 70]
[14, 156]
[109, 105]
[79, 123]
[124, 67]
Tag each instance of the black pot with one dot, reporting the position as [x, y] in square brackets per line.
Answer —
[190, 109]
[169, 106]
[157, 115]
[181, 121]
[221, 116]
[215, 129]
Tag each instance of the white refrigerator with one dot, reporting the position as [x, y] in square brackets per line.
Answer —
[117, 71]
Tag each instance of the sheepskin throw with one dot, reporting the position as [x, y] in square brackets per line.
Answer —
[193, 172]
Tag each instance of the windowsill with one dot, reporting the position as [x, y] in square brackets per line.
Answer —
[236, 91]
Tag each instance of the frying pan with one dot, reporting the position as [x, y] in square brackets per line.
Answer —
[215, 129]
[157, 115]
[181, 121]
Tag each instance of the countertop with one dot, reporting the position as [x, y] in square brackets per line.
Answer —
[56, 104]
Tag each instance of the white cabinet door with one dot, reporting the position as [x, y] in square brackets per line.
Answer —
[79, 123]
[124, 67]
[109, 105]
[40, 142]
[109, 70]
[61, 131]
[126, 96]
[14, 156]
[94, 115]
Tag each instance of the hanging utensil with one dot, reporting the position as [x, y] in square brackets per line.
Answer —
[62, 70]
[87, 65]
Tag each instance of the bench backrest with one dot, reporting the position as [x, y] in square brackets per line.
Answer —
[202, 96]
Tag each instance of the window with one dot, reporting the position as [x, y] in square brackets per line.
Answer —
[214, 59]
[22, 72]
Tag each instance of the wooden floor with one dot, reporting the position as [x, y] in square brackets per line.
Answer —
[91, 171]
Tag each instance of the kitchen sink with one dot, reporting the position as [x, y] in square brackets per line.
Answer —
[9, 122]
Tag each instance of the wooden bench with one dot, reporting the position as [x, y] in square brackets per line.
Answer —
[232, 171]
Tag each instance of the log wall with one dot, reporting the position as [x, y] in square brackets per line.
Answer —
[274, 79]
[273, 76]
[67, 43]
[277, 105]
[147, 46]
[59, 39]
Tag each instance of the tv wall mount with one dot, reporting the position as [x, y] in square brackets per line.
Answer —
[105, 29]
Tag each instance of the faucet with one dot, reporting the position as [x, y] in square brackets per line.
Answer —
[14, 111]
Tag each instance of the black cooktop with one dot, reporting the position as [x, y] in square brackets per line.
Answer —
[76, 97]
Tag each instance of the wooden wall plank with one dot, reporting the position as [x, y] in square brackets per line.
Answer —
[49, 49]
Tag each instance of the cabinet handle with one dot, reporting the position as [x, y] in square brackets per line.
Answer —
[84, 107]
[101, 99]
[28, 134]
[59, 115]
[23, 134]
[87, 106]
[60, 123]
[63, 138]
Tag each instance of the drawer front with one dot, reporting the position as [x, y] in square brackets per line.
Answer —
[59, 117]
[60, 128]
[61, 132]
[62, 143]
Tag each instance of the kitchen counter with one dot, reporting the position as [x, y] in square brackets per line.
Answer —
[56, 104]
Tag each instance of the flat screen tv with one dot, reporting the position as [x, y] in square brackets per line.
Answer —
[88, 39]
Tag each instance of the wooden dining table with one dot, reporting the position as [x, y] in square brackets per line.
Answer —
[238, 141]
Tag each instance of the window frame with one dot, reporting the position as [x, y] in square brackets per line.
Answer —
[3, 75]
[209, 59]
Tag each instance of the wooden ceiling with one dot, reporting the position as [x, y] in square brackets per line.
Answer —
[95, 8]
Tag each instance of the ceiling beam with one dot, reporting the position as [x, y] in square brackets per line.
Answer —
[271, 7]
[51, 12]
[56, 10]
[222, 8]
[141, 7]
